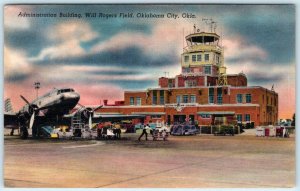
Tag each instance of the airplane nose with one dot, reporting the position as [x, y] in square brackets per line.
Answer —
[72, 96]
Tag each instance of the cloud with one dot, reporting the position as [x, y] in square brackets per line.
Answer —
[11, 19]
[164, 38]
[273, 30]
[16, 66]
[67, 37]
[238, 50]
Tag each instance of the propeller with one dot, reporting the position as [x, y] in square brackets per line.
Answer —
[34, 109]
[88, 113]
[90, 121]
[31, 120]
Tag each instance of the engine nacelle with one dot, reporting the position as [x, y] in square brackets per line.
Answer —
[86, 113]
[27, 110]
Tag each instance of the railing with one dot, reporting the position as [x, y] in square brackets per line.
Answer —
[202, 47]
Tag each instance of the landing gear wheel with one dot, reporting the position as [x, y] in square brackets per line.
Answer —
[23, 132]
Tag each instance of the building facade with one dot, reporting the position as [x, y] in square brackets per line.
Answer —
[202, 92]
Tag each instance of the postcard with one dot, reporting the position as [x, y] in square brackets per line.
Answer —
[149, 96]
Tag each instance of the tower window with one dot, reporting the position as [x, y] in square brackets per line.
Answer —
[206, 57]
[198, 57]
[186, 58]
[194, 58]
[207, 69]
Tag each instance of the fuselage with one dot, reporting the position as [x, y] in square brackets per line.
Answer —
[55, 102]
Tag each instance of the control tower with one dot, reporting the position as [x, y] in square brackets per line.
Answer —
[203, 55]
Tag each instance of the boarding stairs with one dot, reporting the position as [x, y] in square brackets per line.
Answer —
[77, 123]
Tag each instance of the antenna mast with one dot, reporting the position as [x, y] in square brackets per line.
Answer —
[212, 24]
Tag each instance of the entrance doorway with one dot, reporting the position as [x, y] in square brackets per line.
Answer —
[179, 119]
[192, 118]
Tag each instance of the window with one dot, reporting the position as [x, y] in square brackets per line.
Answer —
[190, 83]
[247, 117]
[186, 58]
[154, 97]
[219, 99]
[218, 59]
[207, 69]
[248, 98]
[198, 57]
[193, 99]
[138, 101]
[206, 57]
[205, 116]
[239, 117]
[239, 98]
[162, 97]
[186, 70]
[178, 99]
[211, 95]
[219, 96]
[170, 83]
[185, 99]
[194, 58]
[131, 100]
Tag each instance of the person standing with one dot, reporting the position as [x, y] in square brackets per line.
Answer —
[118, 130]
[144, 132]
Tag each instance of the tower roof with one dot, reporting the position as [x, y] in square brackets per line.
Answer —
[202, 37]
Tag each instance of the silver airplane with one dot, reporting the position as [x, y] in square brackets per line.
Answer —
[53, 105]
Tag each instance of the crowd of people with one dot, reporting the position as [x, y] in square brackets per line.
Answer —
[109, 130]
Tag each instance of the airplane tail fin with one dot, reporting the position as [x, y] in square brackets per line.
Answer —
[8, 106]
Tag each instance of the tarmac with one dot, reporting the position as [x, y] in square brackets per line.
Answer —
[201, 161]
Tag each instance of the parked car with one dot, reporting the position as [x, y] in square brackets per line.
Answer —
[184, 130]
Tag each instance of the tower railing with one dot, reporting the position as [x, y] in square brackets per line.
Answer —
[202, 47]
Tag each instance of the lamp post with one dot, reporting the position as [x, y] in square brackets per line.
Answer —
[37, 86]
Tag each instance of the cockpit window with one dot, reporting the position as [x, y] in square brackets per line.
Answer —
[65, 90]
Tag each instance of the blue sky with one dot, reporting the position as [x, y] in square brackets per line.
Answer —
[117, 54]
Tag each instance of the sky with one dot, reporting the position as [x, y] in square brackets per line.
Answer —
[103, 57]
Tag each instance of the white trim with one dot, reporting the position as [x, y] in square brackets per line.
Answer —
[149, 113]
[136, 91]
[107, 113]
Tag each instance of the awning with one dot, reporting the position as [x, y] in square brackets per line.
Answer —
[216, 113]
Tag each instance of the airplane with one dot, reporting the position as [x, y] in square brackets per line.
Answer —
[53, 105]
[54, 108]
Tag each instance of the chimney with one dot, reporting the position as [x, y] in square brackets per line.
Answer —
[105, 102]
